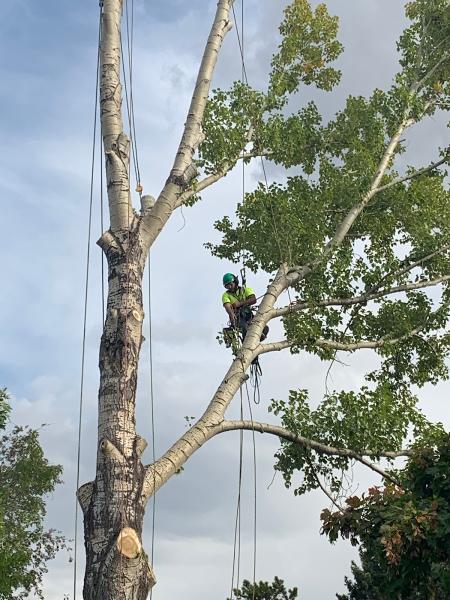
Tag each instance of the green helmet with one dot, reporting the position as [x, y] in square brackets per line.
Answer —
[228, 278]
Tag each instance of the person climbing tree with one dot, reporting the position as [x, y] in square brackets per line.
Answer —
[237, 301]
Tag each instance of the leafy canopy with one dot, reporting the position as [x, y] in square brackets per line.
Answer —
[26, 477]
[323, 171]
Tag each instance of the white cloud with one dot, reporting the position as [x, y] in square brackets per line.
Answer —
[44, 182]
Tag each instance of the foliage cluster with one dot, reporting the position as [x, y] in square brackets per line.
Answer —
[403, 532]
[26, 477]
[403, 235]
[369, 422]
[263, 590]
[396, 248]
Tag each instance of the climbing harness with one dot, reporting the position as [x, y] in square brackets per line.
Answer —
[243, 276]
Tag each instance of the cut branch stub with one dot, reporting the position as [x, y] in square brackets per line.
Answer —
[108, 243]
[84, 495]
[141, 445]
[128, 543]
[136, 315]
[110, 451]
[147, 203]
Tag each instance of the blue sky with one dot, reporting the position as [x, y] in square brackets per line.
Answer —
[47, 70]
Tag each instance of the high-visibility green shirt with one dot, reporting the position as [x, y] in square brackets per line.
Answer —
[241, 294]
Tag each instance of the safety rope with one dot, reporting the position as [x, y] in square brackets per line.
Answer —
[266, 183]
[129, 98]
[102, 227]
[255, 376]
[130, 54]
[133, 155]
[237, 525]
[255, 491]
[85, 307]
[129, 94]
[237, 534]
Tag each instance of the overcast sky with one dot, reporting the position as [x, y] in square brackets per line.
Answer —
[47, 71]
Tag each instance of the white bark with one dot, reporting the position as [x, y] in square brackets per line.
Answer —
[183, 170]
[158, 473]
[204, 428]
[115, 141]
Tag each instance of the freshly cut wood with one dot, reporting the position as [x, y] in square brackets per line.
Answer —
[128, 543]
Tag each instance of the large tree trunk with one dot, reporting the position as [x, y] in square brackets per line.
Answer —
[114, 503]
[116, 565]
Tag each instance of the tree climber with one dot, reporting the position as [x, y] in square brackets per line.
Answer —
[237, 301]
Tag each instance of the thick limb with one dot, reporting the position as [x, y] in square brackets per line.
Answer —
[184, 170]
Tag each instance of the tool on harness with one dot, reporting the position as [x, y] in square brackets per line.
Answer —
[243, 277]
[234, 335]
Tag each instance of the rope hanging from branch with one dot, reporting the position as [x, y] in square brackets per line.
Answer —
[237, 530]
[85, 307]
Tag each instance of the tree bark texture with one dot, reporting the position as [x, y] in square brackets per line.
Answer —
[116, 565]
[116, 143]
[113, 505]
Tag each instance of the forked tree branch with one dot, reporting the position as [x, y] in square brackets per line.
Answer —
[184, 170]
[205, 427]
[214, 177]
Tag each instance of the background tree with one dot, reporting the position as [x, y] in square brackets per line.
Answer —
[26, 478]
[263, 590]
[358, 243]
[403, 531]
